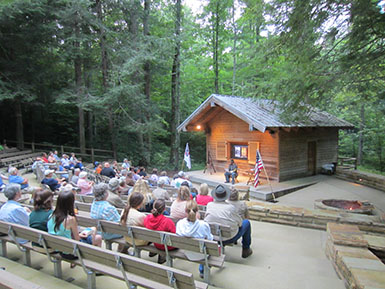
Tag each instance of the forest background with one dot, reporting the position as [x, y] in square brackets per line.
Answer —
[122, 74]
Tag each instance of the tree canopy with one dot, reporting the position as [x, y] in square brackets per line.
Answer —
[122, 74]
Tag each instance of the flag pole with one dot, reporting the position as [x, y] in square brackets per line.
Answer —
[268, 180]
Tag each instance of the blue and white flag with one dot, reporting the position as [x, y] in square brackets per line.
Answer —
[187, 158]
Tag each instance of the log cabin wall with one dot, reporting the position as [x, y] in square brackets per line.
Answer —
[225, 129]
[294, 150]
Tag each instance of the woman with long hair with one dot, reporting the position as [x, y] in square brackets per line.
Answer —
[132, 217]
[193, 228]
[178, 207]
[63, 223]
[158, 222]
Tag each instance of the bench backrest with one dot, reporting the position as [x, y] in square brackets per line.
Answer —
[146, 269]
[170, 239]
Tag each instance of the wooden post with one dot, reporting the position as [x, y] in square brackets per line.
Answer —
[92, 155]
[62, 149]
[33, 146]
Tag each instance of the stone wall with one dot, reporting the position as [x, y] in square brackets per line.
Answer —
[367, 179]
[315, 219]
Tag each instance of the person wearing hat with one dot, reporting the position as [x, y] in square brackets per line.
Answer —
[84, 184]
[231, 172]
[12, 211]
[224, 213]
[114, 196]
[53, 183]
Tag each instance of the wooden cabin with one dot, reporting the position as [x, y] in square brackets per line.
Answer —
[236, 127]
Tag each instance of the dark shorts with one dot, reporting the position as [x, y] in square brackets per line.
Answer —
[87, 240]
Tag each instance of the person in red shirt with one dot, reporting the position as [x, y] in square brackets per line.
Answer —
[158, 222]
[203, 198]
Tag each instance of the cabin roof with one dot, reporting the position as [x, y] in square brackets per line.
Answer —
[261, 114]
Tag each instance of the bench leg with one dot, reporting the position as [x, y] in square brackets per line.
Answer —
[91, 281]
[27, 258]
[3, 248]
[108, 245]
[57, 269]
[206, 274]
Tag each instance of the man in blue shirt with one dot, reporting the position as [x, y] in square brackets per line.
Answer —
[15, 178]
[54, 184]
[12, 211]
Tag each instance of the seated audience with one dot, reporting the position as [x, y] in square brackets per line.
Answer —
[2, 185]
[73, 160]
[98, 168]
[224, 213]
[194, 228]
[16, 179]
[103, 210]
[53, 183]
[158, 222]
[141, 186]
[136, 175]
[79, 164]
[203, 198]
[177, 182]
[131, 216]
[126, 164]
[160, 192]
[153, 180]
[178, 207]
[123, 188]
[75, 177]
[108, 171]
[65, 162]
[142, 172]
[114, 196]
[44, 158]
[63, 223]
[55, 155]
[115, 167]
[130, 179]
[42, 210]
[241, 206]
[84, 184]
[51, 158]
[165, 178]
[12, 211]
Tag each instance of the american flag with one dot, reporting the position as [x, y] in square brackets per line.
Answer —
[257, 169]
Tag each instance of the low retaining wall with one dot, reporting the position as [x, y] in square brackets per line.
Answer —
[315, 219]
[367, 179]
[348, 249]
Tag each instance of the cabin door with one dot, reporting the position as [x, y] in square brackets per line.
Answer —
[311, 157]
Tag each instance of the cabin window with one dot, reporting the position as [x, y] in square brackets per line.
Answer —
[239, 151]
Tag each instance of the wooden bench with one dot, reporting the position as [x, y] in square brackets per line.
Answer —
[14, 153]
[211, 251]
[134, 271]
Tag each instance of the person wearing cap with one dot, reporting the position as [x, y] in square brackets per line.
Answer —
[224, 213]
[103, 210]
[84, 184]
[177, 182]
[12, 211]
[54, 184]
[231, 172]
[114, 196]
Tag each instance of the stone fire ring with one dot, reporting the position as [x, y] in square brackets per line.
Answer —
[346, 206]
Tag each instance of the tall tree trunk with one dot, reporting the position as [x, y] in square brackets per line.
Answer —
[19, 124]
[216, 48]
[234, 48]
[104, 55]
[147, 80]
[175, 78]
[79, 91]
[361, 136]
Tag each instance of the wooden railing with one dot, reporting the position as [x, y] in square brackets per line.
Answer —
[347, 163]
[92, 153]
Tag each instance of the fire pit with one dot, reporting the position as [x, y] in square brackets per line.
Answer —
[348, 206]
